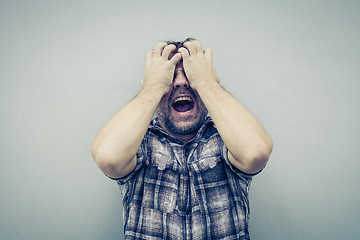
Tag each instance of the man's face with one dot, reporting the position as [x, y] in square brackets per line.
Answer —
[181, 110]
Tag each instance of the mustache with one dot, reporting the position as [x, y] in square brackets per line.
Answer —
[180, 91]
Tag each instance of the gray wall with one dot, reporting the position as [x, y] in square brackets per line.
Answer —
[67, 66]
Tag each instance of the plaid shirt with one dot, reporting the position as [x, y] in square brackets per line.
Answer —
[185, 191]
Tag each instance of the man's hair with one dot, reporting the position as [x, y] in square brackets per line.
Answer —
[179, 44]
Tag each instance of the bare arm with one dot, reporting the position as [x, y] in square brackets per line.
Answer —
[115, 146]
[247, 141]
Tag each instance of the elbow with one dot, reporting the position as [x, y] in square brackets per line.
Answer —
[111, 164]
[258, 162]
[103, 159]
[258, 157]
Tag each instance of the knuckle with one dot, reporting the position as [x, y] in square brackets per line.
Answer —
[182, 50]
[170, 47]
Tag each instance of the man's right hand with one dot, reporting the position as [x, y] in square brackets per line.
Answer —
[159, 70]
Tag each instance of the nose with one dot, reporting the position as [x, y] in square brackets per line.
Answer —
[180, 80]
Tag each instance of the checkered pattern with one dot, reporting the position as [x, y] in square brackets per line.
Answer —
[186, 191]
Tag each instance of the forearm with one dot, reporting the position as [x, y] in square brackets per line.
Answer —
[117, 143]
[248, 143]
[244, 136]
[115, 147]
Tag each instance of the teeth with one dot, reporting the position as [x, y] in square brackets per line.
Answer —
[182, 99]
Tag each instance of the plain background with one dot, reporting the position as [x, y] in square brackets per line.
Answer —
[66, 67]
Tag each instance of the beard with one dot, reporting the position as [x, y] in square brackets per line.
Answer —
[180, 126]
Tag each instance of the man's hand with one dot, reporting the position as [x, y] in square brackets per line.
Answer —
[248, 143]
[159, 71]
[115, 146]
[198, 64]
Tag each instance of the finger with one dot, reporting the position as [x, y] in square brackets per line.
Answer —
[197, 45]
[184, 53]
[175, 59]
[208, 54]
[142, 83]
[168, 50]
[190, 47]
[148, 55]
[159, 48]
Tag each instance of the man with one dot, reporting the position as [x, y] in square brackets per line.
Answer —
[184, 174]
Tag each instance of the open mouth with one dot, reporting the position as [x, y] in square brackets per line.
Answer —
[183, 104]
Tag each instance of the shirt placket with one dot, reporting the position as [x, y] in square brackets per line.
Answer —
[188, 150]
[184, 194]
[180, 153]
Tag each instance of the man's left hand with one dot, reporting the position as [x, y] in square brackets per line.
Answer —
[198, 64]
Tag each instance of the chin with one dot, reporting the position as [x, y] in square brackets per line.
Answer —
[186, 128]
[183, 127]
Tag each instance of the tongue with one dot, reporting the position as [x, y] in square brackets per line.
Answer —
[182, 106]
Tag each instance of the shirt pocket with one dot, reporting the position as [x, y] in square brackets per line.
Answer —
[210, 185]
[160, 183]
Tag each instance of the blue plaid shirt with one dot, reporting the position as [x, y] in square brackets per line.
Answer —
[185, 191]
